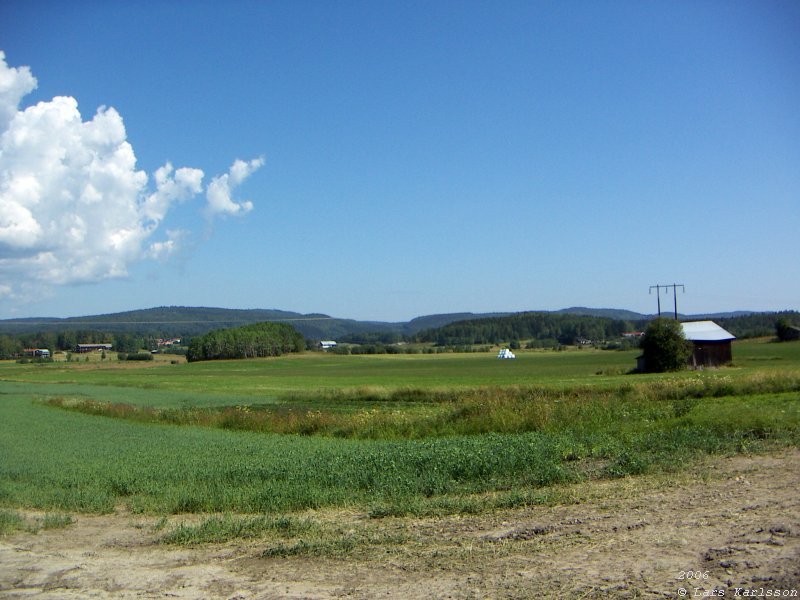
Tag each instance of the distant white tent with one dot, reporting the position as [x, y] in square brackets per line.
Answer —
[506, 353]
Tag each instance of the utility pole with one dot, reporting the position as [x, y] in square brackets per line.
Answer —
[658, 295]
[674, 287]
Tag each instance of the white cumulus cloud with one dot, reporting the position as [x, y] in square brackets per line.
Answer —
[220, 189]
[73, 206]
[14, 85]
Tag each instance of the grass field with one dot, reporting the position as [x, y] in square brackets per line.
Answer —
[314, 372]
[391, 434]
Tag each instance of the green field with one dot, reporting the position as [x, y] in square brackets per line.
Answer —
[387, 434]
[313, 372]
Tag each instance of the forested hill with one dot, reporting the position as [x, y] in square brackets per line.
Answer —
[566, 327]
[186, 321]
[543, 326]
[434, 321]
[182, 321]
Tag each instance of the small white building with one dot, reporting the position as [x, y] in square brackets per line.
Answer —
[327, 344]
[506, 353]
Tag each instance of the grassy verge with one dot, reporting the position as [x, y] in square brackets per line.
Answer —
[11, 521]
[287, 536]
[218, 529]
[337, 533]
[577, 435]
[422, 413]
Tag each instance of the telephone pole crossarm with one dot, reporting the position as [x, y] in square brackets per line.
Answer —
[674, 287]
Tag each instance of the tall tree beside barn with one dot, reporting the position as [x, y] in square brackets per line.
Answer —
[664, 346]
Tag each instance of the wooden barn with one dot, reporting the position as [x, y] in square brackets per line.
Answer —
[712, 344]
[83, 348]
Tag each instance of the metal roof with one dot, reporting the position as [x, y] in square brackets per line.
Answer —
[705, 331]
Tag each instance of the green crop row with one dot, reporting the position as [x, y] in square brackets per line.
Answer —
[371, 437]
[57, 460]
[419, 413]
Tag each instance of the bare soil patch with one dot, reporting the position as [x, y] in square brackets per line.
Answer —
[733, 521]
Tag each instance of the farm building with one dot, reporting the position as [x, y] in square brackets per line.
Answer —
[633, 334]
[326, 344]
[711, 343]
[37, 352]
[81, 348]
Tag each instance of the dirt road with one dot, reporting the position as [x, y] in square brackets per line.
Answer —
[734, 523]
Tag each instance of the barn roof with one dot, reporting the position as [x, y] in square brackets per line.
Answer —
[705, 331]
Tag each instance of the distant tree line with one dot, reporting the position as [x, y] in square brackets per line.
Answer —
[543, 329]
[758, 324]
[405, 349]
[536, 329]
[564, 328]
[12, 346]
[373, 338]
[249, 341]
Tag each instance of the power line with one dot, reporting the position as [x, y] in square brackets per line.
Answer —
[674, 287]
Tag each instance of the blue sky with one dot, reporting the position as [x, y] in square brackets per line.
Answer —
[397, 159]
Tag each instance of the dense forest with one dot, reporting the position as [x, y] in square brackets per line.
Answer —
[563, 328]
[162, 321]
[187, 321]
[757, 324]
[249, 341]
[558, 328]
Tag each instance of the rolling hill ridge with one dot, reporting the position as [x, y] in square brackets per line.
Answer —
[174, 321]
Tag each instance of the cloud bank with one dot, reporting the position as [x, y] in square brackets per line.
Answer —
[73, 206]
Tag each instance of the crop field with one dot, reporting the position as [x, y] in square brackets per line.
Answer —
[358, 458]
[409, 434]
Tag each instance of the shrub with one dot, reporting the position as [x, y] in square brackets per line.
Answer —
[664, 347]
